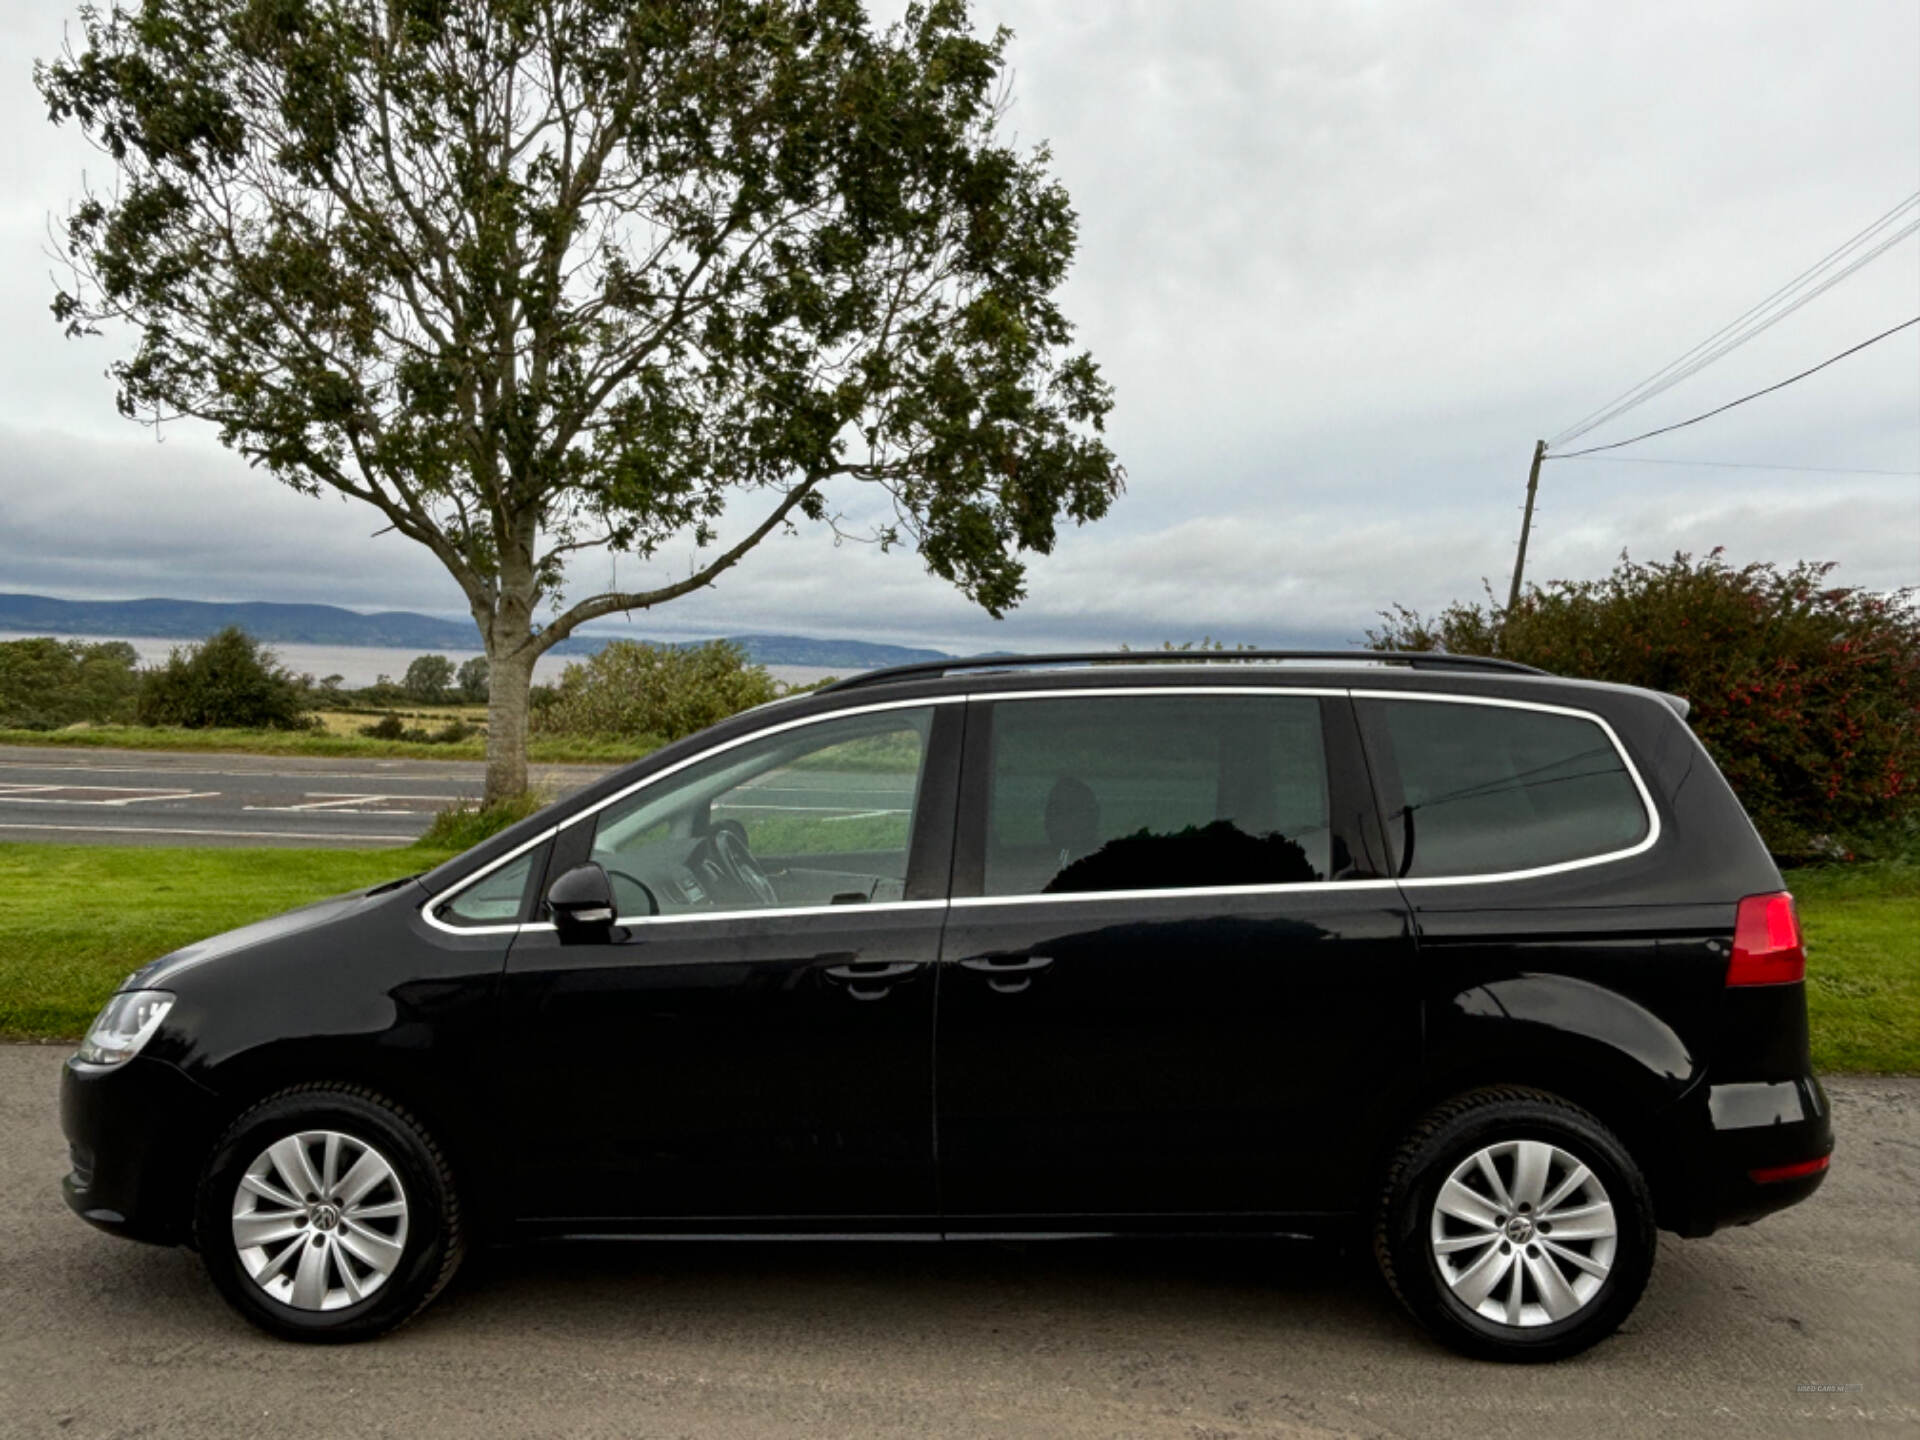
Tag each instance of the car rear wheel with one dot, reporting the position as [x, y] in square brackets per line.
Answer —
[328, 1213]
[1515, 1226]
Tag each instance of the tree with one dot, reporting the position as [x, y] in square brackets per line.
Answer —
[1806, 694]
[229, 679]
[428, 678]
[47, 683]
[535, 276]
[473, 680]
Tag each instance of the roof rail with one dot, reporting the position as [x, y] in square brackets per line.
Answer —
[1412, 659]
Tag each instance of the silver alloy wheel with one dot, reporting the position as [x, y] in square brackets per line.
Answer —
[320, 1220]
[1523, 1233]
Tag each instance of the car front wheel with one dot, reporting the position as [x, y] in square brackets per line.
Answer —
[1515, 1226]
[328, 1213]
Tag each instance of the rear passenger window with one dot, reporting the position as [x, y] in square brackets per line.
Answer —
[1487, 789]
[1155, 793]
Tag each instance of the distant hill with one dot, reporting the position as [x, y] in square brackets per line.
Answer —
[278, 624]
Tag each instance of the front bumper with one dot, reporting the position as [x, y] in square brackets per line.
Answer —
[1744, 1127]
[137, 1134]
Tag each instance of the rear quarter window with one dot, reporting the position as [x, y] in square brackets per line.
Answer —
[1479, 789]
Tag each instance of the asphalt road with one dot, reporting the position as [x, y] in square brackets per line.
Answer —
[139, 797]
[100, 1337]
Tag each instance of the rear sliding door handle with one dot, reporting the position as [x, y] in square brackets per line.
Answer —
[870, 979]
[1008, 974]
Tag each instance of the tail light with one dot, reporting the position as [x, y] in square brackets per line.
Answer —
[1767, 948]
[1798, 1170]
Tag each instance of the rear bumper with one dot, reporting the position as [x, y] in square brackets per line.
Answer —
[1750, 1148]
[136, 1134]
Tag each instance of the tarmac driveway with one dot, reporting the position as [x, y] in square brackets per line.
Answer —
[99, 1337]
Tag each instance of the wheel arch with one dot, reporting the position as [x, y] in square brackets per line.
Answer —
[246, 1080]
[1616, 1089]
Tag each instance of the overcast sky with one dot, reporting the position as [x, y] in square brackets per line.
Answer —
[1343, 264]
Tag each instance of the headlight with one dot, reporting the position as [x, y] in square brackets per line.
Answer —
[124, 1026]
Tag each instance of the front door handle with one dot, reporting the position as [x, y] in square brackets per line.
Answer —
[1008, 974]
[870, 979]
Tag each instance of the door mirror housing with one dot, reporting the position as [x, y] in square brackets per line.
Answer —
[581, 902]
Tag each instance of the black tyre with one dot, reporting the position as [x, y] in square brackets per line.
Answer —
[1515, 1226]
[327, 1213]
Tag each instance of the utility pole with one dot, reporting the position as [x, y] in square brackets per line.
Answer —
[1526, 524]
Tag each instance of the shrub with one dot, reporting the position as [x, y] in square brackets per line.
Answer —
[1807, 695]
[464, 825]
[387, 727]
[633, 691]
[229, 681]
[46, 683]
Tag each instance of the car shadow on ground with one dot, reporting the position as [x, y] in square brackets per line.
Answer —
[859, 1292]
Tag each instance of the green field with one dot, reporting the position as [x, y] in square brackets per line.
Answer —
[74, 919]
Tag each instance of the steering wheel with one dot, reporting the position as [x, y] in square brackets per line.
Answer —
[724, 855]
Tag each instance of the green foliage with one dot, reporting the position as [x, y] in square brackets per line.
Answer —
[387, 727]
[46, 683]
[227, 680]
[1807, 695]
[653, 692]
[530, 276]
[472, 680]
[392, 727]
[428, 678]
[463, 826]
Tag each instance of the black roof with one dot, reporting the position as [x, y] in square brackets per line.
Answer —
[1411, 659]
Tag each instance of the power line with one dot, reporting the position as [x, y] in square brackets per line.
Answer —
[1747, 465]
[1759, 327]
[1721, 409]
[1797, 292]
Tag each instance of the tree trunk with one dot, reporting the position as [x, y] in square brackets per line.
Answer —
[509, 682]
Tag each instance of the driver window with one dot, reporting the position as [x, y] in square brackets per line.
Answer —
[820, 814]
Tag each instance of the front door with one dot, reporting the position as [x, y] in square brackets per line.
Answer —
[752, 1043]
[1175, 982]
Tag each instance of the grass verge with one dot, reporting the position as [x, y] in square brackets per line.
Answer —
[74, 919]
[1863, 965]
[542, 750]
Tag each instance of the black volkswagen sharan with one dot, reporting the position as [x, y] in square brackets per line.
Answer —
[1488, 961]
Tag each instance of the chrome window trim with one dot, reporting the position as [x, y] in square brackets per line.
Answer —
[1149, 691]
[969, 902]
[433, 907]
[1648, 808]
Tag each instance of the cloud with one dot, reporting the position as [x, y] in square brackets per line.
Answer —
[1343, 265]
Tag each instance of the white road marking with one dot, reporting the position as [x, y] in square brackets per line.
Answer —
[336, 802]
[430, 779]
[16, 797]
[230, 834]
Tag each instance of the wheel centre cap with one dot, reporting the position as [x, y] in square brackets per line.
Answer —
[324, 1216]
[1519, 1229]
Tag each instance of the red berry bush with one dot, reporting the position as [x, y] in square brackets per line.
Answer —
[1806, 694]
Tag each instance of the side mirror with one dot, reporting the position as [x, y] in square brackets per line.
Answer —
[581, 903]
